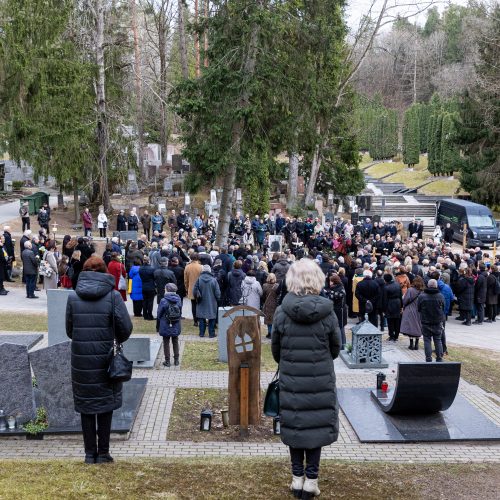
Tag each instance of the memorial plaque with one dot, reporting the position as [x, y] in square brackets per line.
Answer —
[56, 310]
[16, 386]
[137, 349]
[124, 236]
[52, 369]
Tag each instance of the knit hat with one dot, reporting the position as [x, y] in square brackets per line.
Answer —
[387, 278]
[171, 288]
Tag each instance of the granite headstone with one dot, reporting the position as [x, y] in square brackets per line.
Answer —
[29, 340]
[56, 309]
[16, 386]
[52, 369]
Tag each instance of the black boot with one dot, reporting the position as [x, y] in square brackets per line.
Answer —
[90, 458]
[411, 344]
[415, 348]
[104, 459]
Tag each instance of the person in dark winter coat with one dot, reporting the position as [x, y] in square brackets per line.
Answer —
[480, 293]
[207, 294]
[121, 221]
[175, 266]
[368, 290]
[169, 328]
[492, 284]
[95, 316]
[162, 277]
[220, 276]
[281, 268]
[392, 303]
[431, 306]
[464, 290]
[234, 280]
[410, 321]
[305, 340]
[147, 275]
[270, 301]
[335, 291]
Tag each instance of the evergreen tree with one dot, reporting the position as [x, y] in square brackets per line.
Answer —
[478, 126]
[423, 124]
[411, 136]
[450, 154]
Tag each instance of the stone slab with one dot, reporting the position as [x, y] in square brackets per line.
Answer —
[223, 326]
[154, 349]
[347, 359]
[27, 340]
[56, 311]
[123, 418]
[16, 386]
[137, 349]
[52, 370]
[461, 422]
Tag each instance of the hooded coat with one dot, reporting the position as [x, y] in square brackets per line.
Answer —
[410, 322]
[163, 327]
[207, 287]
[305, 341]
[251, 292]
[89, 323]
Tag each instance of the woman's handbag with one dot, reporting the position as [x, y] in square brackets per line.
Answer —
[120, 368]
[122, 283]
[272, 400]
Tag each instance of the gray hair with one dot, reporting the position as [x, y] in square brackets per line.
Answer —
[27, 244]
[305, 277]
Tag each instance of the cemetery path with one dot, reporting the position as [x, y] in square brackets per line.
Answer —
[9, 211]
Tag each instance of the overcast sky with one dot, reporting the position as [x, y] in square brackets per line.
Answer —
[357, 8]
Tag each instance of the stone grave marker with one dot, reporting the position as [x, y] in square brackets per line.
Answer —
[52, 369]
[56, 310]
[16, 386]
[27, 340]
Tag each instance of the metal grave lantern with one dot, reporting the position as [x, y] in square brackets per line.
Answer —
[366, 347]
[206, 420]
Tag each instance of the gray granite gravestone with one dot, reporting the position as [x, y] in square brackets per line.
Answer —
[137, 349]
[52, 369]
[22, 339]
[224, 324]
[56, 310]
[16, 386]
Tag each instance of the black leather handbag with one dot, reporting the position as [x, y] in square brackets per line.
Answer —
[272, 399]
[120, 368]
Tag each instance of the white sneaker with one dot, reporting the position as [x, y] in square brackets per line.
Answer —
[310, 488]
[297, 485]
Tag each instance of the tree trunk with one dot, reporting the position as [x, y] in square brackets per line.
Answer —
[138, 89]
[315, 166]
[76, 200]
[205, 38]
[226, 207]
[162, 50]
[102, 135]
[293, 175]
[182, 39]
[197, 39]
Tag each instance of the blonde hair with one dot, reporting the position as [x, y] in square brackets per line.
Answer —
[77, 254]
[271, 278]
[305, 277]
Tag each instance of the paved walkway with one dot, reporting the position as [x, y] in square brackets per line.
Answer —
[149, 435]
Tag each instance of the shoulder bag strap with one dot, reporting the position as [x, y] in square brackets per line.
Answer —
[115, 343]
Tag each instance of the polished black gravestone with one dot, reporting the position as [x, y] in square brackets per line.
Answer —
[421, 388]
[424, 406]
[123, 418]
[52, 370]
[28, 340]
[16, 386]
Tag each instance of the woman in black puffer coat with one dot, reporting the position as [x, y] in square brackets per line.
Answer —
[89, 323]
[305, 341]
[464, 290]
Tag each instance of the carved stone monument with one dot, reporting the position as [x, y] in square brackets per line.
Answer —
[244, 348]
[54, 381]
[16, 386]
[56, 311]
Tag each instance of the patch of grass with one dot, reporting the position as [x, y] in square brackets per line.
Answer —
[445, 187]
[365, 160]
[21, 322]
[204, 356]
[410, 179]
[184, 422]
[479, 366]
[382, 169]
[236, 478]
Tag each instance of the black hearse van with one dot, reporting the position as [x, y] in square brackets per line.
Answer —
[481, 226]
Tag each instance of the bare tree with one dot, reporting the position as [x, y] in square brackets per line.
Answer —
[182, 38]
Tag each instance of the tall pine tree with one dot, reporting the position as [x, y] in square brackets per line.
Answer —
[411, 136]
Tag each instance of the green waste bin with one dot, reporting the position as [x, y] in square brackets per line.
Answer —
[35, 201]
